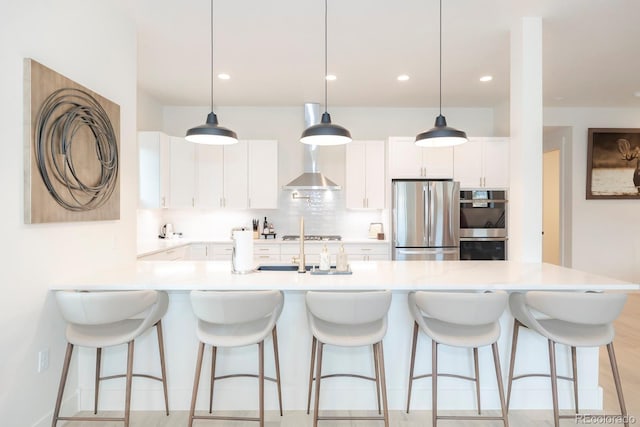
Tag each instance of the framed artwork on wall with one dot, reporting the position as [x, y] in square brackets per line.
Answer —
[613, 163]
[72, 150]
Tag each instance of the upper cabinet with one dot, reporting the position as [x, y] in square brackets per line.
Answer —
[222, 176]
[263, 174]
[175, 173]
[482, 163]
[407, 160]
[153, 170]
[182, 173]
[365, 175]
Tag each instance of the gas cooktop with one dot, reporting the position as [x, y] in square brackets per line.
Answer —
[320, 237]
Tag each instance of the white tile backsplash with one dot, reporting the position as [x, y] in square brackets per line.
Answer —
[324, 213]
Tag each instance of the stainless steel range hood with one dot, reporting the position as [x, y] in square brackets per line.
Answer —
[312, 178]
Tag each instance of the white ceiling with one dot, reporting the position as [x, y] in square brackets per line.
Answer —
[274, 51]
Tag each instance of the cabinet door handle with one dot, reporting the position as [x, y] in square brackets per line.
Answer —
[193, 202]
[164, 204]
[364, 202]
[249, 202]
[263, 249]
[480, 181]
[263, 256]
[365, 249]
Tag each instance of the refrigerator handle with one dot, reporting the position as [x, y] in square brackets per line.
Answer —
[426, 195]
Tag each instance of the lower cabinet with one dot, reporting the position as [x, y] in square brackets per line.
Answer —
[272, 252]
[367, 251]
[174, 254]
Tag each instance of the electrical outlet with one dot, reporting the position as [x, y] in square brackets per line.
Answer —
[43, 360]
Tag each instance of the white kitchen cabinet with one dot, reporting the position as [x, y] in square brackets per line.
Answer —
[238, 176]
[221, 176]
[407, 160]
[265, 253]
[198, 252]
[220, 251]
[263, 174]
[182, 173]
[482, 162]
[367, 251]
[153, 170]
[209, 167]
[235, 176]
[365, 175]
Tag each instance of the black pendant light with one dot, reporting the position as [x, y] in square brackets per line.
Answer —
[211, 133]
[441, 135]
[325, 133]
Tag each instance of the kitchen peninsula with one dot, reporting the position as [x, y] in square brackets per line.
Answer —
[401, 277]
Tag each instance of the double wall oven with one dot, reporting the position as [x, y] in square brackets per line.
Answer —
[483, 224]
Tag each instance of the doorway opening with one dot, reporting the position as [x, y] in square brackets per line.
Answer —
[556, 195]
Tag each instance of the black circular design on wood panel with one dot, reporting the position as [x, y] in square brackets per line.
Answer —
[63, 120]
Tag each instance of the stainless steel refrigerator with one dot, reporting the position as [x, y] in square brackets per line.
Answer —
[426, 219]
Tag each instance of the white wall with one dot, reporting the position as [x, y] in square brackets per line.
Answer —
[606, 233]
[93, 43]
[149, 112]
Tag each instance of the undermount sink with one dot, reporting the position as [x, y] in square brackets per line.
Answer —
[281, 267]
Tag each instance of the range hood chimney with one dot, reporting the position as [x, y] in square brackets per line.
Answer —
[312, 178]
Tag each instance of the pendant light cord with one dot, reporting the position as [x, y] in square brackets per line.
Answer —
[325, 56]
[212, 56]
[440, 57]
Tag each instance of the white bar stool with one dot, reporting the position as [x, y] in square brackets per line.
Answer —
[105, 319]
[236, 319]
[458, 319]
[574, 319]
[348, 319]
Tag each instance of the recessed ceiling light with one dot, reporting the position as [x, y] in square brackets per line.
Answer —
[403, 78]
[486, 78]
[331, 77]
[224, 76]
[559, 98]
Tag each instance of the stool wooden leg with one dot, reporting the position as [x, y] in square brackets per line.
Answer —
[554, 383]
[63, 381]
[383, 384]
[434, 383]
[196, 382]
[261, 380]
[314, 344]
[316, 405]
[512, 361]
[214, 355]
[163, 369]
[616, 380]
[475, 365]
[276, 357]
[574, 365]
[496, 361]
[97, 386]
[377, 373]
[127, 403]
[414, 342]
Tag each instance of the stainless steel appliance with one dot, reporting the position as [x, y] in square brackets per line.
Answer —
[483, 224]
[425, 219]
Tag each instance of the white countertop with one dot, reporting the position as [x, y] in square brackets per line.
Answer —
[394, 275]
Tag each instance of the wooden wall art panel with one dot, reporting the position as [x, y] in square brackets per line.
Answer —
[72, 145]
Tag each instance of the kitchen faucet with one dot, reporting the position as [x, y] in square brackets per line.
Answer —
[300, 258]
